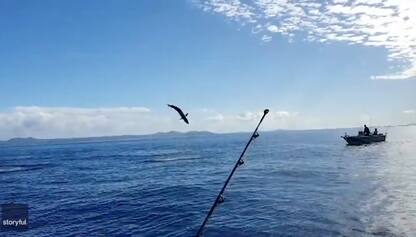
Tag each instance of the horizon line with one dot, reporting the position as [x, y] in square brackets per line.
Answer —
[193, 131]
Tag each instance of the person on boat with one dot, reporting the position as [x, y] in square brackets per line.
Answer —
[366, 130]
[375, 132]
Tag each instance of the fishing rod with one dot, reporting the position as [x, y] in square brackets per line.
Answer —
[240, 161]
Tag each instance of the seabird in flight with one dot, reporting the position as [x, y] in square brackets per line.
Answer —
[183, 116]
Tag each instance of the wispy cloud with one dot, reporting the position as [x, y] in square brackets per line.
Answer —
[409, 111]
[218, 117]
[74, 122]
[52, 122]
[406, 74]
[234, 9]
[390, 24]
[248, 116]
[274, 115]
[244, 121]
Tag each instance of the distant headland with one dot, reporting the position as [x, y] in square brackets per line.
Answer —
[23, 141]
[27, 141]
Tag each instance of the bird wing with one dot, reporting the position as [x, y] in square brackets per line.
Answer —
[179, 111]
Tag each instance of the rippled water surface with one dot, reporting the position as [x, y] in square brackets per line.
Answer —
[306, 183]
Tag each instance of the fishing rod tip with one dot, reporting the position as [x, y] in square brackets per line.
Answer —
[266, 111]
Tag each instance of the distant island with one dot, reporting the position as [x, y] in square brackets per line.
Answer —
[27, 141]
[405, 125]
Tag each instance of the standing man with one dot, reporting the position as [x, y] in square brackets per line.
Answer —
[366, 130]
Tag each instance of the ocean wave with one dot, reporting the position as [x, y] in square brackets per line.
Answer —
[172, 159]
[19, 168]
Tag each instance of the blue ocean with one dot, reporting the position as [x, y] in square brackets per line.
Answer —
[293, 183]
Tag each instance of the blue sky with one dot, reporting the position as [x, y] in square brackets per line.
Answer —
[82, 68]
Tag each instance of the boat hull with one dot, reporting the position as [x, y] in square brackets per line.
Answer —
[362, 140]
